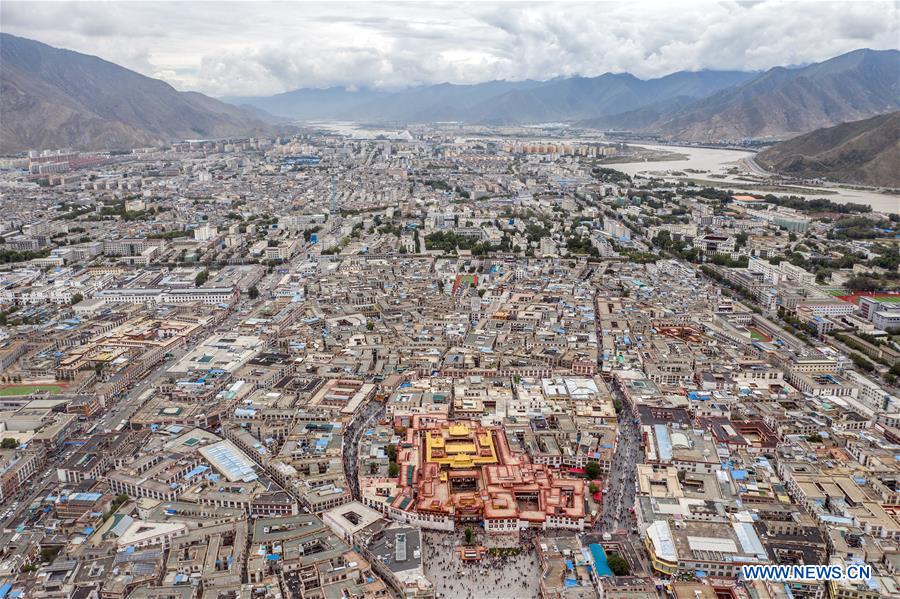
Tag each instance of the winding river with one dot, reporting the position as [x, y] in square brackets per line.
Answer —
[714, 161]
[718, 161]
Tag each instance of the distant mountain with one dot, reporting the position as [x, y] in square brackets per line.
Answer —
[579, 98]
[786, 102]
[52, 98]
[561, 99]
[442, 102]
[58, 98]
[641, 119]
[865, 152]
[309, 104]
[687, 106]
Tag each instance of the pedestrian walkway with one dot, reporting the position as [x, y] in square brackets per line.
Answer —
[509, 577]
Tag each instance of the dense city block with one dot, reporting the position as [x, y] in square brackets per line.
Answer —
[443, 361]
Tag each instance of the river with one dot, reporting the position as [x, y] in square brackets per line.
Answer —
[715, 161]
[355, 130]
[718, 161]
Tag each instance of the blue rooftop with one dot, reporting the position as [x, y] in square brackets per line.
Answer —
[601, 565]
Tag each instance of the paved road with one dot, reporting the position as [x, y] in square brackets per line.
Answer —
[124, 407]
[362, 420]
[27, 493]
[620, 484]
[754, 167]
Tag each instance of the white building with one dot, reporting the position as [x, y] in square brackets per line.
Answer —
[205, 233]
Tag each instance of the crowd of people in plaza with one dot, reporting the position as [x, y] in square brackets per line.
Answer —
[494, 576]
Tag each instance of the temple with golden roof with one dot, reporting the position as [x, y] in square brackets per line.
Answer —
[458, 471]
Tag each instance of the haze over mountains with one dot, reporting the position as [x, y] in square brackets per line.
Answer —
[58, 98]
[699, 106]
[497, 102]
[52, 98]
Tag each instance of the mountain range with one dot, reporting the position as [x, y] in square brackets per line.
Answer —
[865, 152]
[58, 98]
[697, 106]
[496, 102]
[782, 102]
[52, 98]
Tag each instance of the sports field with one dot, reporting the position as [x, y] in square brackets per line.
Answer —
[758, 335]
[26, 389]
[891, 298]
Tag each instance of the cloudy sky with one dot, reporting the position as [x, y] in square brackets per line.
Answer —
[260, 48]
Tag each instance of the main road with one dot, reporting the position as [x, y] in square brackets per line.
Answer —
[620, 484]
[124, 406]
[373, 410]
[619, 492]
[753, 167]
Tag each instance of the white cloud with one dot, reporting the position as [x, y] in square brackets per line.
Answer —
[232, 48]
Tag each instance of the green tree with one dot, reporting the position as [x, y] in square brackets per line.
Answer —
[593, 488]
[9, 443]
[469, 535]
[393, 469]
[863, 283]
[48, 554]
[201, 278]
[76, 298]
[862, 363]
[618, 564]
[253, 292]
[663, 240]
[592, 470]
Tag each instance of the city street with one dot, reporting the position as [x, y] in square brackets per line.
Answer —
[123, 407]
[619, 486]
[619, 499]
[364, 418]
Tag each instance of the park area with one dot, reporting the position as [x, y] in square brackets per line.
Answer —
[29, 389]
